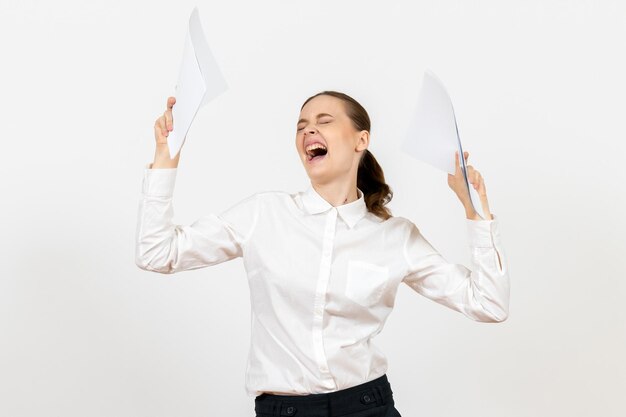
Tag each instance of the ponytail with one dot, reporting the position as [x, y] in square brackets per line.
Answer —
[371, 180]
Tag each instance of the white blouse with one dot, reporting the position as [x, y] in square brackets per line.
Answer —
[322, 279]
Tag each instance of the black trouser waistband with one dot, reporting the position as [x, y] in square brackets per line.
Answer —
[374, 393]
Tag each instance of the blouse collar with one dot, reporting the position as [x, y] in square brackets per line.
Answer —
[351, 213]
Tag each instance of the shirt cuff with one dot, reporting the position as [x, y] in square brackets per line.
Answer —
[159, 182]
[483, 233]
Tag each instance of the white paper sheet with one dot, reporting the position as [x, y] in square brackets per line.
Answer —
[433, 135]
[199, 81]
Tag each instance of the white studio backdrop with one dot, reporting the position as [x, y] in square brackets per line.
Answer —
[538, 88]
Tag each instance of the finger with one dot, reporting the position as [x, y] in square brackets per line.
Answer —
[471, 177]
[170, 102]
[162, 126]
[168, 120]
[457, 164]
[158, 134]
[482, 189]
[482, 193]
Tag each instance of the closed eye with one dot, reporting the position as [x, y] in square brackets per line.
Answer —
[323, 123]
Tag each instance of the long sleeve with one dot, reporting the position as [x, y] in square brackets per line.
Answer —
[165, 247]
[482, 293]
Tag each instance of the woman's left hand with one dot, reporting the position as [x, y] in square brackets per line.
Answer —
[457, 184]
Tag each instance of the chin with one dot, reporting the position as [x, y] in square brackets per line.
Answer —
[315, 173]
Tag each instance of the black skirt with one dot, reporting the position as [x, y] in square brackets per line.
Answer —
[370, 399]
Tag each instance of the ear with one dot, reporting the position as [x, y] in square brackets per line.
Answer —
[364, 140]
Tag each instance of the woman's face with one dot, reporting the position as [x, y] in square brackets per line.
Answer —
[323, 120]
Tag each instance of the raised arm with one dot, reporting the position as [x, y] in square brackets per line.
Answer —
[481, 293]
[165, 247]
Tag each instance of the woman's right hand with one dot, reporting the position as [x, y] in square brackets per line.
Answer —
[165, 123]
[162, 128]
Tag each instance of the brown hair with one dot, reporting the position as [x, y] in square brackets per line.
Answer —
[370, 177]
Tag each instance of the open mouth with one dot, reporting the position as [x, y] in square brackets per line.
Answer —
[316, 152]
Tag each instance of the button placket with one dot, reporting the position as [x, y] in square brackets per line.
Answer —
[320, 296]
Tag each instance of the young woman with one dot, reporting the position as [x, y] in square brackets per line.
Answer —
[323, 264]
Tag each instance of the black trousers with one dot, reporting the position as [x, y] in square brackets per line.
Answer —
[370, 399]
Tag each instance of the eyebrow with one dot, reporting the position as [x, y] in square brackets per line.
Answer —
[318, 116]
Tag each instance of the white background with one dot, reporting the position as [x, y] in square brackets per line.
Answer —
[538, 87]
